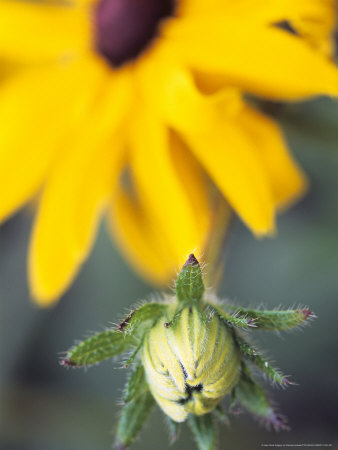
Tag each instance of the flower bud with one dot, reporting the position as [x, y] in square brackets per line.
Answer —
[190, 363]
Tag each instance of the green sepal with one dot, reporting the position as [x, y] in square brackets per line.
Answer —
[220, 415]
[189, 284]
[274, 319]
[173, 429]
[133, 355]
[144, 316]
[252, 354]
[98, 347]
[133, 416]
[110, 343]
[136, 383]
[235, 320]
[204, 430]
[138, 403]
[252, 397]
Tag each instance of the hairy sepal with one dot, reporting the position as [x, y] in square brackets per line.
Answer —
[204, 430]
[138, 403]
[113, 342]
[173, 429]
[189, 285]
[252, 397]
[97, 348]
[143, 317]
[256, 358]
[235, 319]
[136, 383]
[273, 319]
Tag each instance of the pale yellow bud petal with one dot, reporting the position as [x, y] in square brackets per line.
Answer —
[190, 363]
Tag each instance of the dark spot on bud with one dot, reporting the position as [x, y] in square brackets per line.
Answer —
[124, 28]
[68, 363]
[277, 422]
[126, 321]
[306, 313]
[167, 324]
[192, 261]
[189, 391]
[120, 446]
[236, 411]
[198, 388]
[287, 382]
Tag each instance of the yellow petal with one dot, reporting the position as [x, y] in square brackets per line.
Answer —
[161, 188]
[263, 60]
[76, 195]
[287, 180]
[217, 142]
[42, 31]
[272, 11]
[35, 119]
[231, 160]
[140, 235]
[314, 20]
[154, 237]
[194, 181]
[202, 8]
[176, 98]
[7, 68]
[263, 11]
[318, 27]
[139, 239]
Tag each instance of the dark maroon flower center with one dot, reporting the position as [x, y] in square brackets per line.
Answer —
[124, 28]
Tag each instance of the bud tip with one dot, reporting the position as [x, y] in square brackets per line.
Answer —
[306, 313]
[278, 422]
[192, 261]
[67, 363]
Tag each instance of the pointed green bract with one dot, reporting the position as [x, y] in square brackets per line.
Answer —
[273, 374]
[136, 383]
[253, 398]
[232, 319]
[204, 431]
[189, 284]
[143, 317]
[133, 356]
[275, 319]
[98, 347]
[133, 416]
[110, 343]
[220, 414]
[174, 430]
[147, 312]
[138, 405]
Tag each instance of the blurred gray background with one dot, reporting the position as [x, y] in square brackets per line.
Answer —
[45, 407]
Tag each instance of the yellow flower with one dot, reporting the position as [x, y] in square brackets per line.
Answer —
[120, 106]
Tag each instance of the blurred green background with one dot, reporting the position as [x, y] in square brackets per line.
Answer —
[45, 407]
